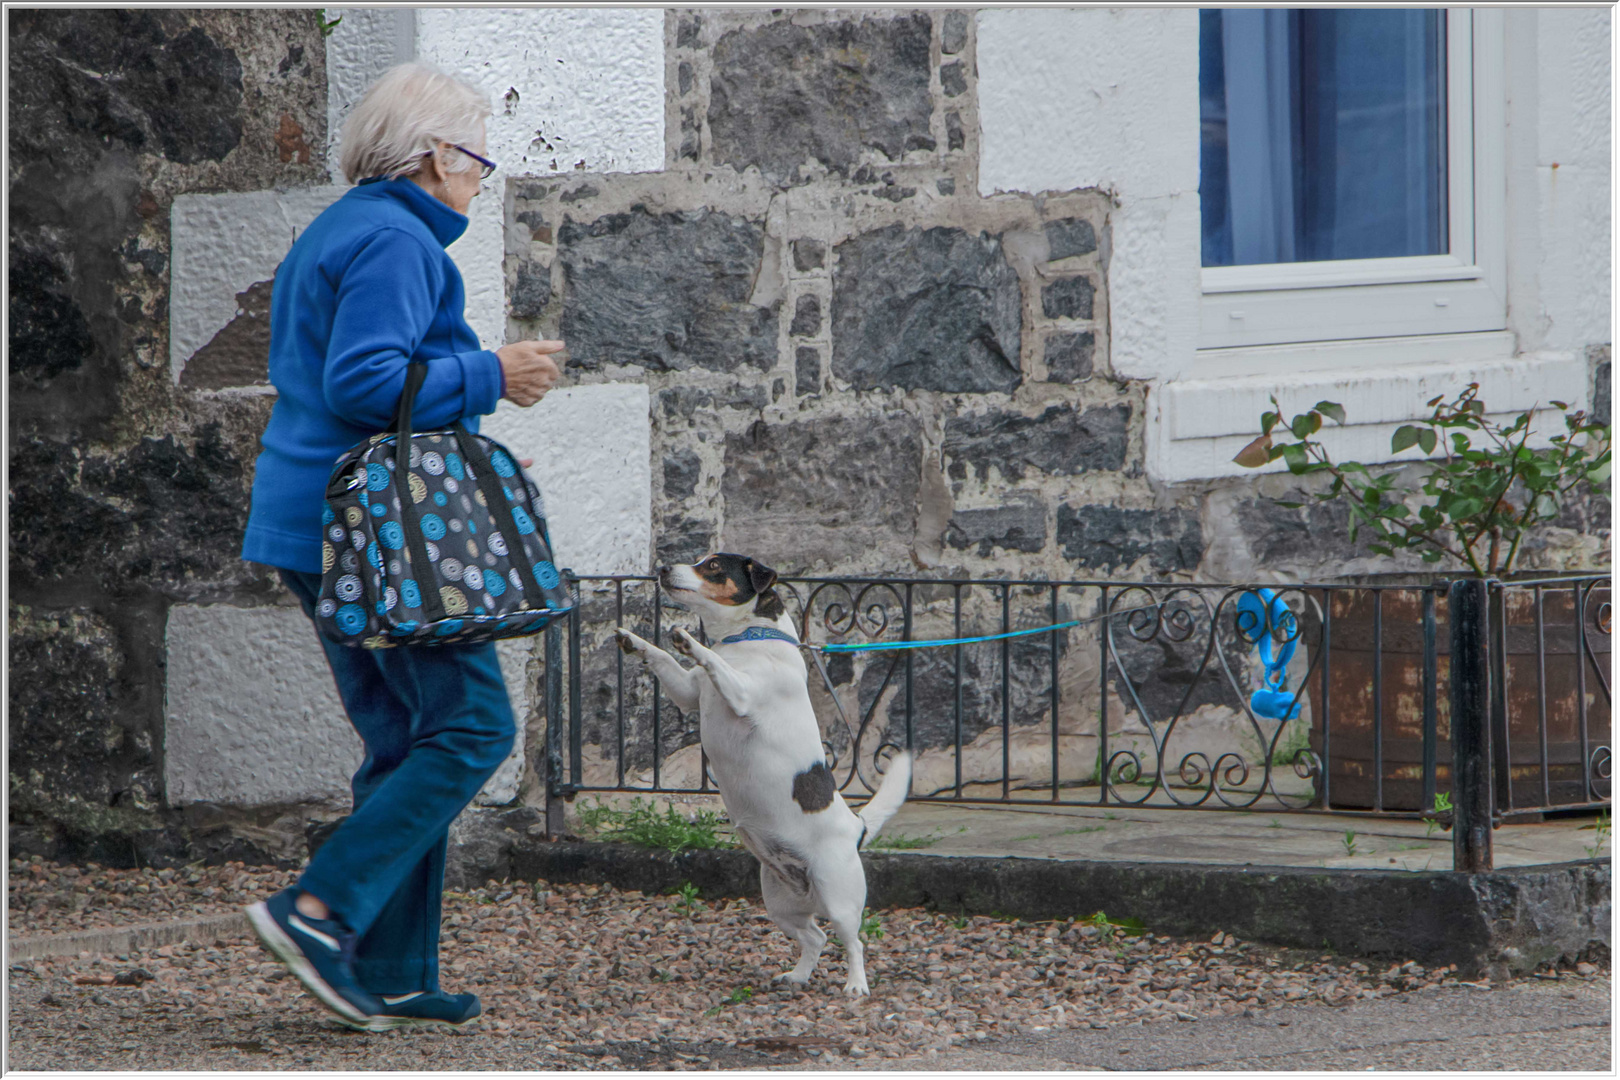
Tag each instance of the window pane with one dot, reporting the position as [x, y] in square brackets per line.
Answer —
[1323, 134]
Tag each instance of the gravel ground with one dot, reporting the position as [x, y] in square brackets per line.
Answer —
[590, 977]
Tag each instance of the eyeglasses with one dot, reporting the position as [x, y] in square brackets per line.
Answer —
[488, 165]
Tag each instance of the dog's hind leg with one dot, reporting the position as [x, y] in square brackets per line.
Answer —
[793, 909]
[844, 901]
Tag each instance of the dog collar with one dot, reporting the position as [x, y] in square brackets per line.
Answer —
[759, 633]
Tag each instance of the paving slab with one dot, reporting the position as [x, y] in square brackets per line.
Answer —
[1229, 838]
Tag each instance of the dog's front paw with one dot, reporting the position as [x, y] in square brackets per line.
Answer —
[629, 643]
[856, 987]
[682, 641]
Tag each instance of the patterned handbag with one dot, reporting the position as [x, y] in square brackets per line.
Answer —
[431, 538]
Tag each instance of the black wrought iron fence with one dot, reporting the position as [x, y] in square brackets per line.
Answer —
[1149, 695]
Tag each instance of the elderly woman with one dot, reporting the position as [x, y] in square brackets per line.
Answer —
[365, 290]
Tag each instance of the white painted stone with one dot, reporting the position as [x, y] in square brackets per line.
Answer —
[221, 244]
[364, 44]
[252, 716]
[1088, 98]
[1100, 98]
[592, 451]
[571, 88]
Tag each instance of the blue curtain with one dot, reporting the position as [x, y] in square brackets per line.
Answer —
[1323, 135]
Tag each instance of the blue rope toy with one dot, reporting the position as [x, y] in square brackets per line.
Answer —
[1260, 616]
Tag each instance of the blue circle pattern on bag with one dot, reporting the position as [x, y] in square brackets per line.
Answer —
[394, 589]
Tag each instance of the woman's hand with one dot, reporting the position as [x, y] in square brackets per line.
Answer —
[529, 370]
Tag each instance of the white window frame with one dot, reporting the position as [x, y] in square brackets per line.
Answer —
[1462, 292]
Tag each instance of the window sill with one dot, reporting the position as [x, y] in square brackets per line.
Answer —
[1195, 426]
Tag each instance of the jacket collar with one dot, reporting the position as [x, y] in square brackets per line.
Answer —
[446, 224]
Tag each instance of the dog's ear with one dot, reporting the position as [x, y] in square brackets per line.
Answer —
[760, 576]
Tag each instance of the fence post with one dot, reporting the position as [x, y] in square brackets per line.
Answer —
[1470, 727]
[554, 733]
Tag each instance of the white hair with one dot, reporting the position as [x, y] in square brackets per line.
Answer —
[404, 116]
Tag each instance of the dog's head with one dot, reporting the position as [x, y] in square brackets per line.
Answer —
[724, 584]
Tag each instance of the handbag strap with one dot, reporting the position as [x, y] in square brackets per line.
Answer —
[499, 509]
[410, 517]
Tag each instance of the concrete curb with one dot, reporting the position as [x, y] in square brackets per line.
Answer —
[1504, 922]
[124, 939]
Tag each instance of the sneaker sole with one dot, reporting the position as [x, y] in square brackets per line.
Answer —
[394, 1023]
[286, 950]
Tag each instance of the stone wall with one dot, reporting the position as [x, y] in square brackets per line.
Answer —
[808, 329]
[128, 492]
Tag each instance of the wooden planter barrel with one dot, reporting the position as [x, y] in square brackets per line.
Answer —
[1351, 713]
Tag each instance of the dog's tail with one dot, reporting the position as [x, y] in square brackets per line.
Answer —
[886, 801]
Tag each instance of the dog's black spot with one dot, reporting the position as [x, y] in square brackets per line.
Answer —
[736, 579]
[813, 788]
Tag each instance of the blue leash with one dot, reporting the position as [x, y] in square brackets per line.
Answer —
[887, 646]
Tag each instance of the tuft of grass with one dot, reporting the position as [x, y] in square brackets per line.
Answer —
[1275, 824]
[1442, 805]
[960, 922]
[642, 825]
[1082, 829]
[738, 996]
[1349, 842]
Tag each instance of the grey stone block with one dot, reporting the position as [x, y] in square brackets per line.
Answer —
[683, 77]
[809, 255]
[682, 469]
[1071, 236]
[955, 136]
[806, 317]
[1107, 538]
[687, 31]
[1061, 441]
[945, 185]
[771, 92]
[1069, 356]
[823, 492]
[665, 291]
[930, 309]
[953, 79]
[685, 540]
[953, 35]
[1067, 298]
[1017, 527]
[687, 402]
[807, 370]
[531, 292]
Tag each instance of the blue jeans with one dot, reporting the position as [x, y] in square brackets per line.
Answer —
[436, 724]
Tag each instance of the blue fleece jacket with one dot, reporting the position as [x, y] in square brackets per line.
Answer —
[366, 289]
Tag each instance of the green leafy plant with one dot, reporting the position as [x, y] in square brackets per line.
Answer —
[641, 824]
[1275, 824]
[1442, 806]
[1602, 827]
[872, 927]
[325, 25]
[687, 902]
[1473, 505]
[1349, 842]
[960, 922]
[1129, 927]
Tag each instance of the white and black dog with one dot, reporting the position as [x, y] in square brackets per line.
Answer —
[760, 733]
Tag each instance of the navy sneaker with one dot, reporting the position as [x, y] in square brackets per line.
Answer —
[425, 1008]
[320, 952]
